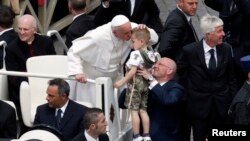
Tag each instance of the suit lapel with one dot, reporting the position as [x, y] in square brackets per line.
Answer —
[179, 12]
[136, 6]
[219, 56]
[52, 117]
[201, 54]
[67, 115]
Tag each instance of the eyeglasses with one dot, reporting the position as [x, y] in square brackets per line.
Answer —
[160, 64]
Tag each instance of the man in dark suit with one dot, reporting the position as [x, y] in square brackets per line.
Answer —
[138, 11]
[164, 101]
[27, 45]
[95, 126]
[7, 33]
[178, 31]
[82, 22]
[8, 125]
[208, 69]
[235, 15]
[61, 112]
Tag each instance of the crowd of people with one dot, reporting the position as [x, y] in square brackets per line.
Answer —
[197, 84]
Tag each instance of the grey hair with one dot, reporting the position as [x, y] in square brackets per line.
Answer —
[208, 23]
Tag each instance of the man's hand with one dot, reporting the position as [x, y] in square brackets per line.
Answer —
[81, 78]
[143, 72]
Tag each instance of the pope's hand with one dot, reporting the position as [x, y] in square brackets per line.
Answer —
[142, 26]
[81, 78]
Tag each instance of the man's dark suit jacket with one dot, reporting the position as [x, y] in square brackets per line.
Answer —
[177, 33]
[8, 37]
[72, 121]
[78, 28]
[206, 90]
[81, 137]
[145, 11]
[164, 108]
[17, 54]
[8, 124]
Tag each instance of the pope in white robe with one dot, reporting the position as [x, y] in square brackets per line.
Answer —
[101, 53]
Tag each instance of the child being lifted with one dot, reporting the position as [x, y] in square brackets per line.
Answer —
[137, 91]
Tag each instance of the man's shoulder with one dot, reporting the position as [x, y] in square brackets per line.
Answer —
[43, 107]
[76, 106]
[39, 36]
[6, 107]
[192, 46]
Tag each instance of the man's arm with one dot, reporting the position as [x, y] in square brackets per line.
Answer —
[244, 7]
[75, 67]
[11, 125]
[172, 36]
[168, 94]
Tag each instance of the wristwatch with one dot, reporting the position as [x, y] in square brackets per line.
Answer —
[150, 77]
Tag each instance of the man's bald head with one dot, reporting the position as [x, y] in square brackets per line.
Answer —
[29, 20]
[27, 28]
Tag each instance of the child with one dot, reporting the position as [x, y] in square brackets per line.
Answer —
[240, 107]
[137, 93]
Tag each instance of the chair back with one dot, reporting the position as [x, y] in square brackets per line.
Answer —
[35, 93]
[3, 78]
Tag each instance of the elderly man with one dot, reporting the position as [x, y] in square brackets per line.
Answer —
[27, 45]
[208, 70]
[61, 112]
[101, 53]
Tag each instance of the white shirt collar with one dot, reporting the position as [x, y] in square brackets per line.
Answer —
[63, 108]
[207, 47]
[88, 137]
[2, 32]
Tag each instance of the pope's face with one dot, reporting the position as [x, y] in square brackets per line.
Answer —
[124, 32]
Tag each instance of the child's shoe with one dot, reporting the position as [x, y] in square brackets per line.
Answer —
[138, 139]
[146, 138]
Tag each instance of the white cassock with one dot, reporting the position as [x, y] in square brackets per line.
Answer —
[98, 54]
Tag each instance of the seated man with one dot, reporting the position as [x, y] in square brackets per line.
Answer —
[95, 126]
[61, 112]
[28, 44]
[8, 125]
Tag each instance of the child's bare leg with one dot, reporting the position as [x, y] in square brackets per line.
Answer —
[135, 122]
[145, 121]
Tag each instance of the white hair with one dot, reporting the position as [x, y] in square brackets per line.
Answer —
[208, 23]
